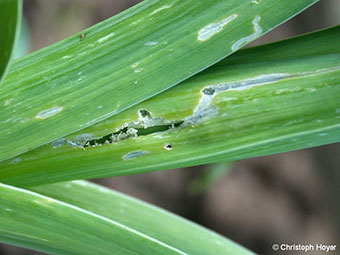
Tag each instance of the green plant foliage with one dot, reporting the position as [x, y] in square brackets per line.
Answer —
[209, 177]
[39, 222]
[63, 206]
[10, 18]
[24, 41]
[59, 117]
[122, 61]
[263, 100]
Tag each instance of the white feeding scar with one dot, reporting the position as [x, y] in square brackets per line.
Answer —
[206, 110]
[107, 37]
[257, 32]
[49, 112]
[160, 9]
[210, 30]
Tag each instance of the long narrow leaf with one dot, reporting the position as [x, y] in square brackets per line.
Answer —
[123, 61]
[154, 222]
[10, 19]
[38, 222]
[265, 100]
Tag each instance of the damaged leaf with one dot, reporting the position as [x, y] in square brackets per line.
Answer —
[265, 100]
[122, 61]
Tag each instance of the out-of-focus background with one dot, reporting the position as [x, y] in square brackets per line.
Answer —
[289, 198]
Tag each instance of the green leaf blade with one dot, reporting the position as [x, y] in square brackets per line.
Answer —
[111, 67]
[10, 19]
[43, 223]
[159, 224]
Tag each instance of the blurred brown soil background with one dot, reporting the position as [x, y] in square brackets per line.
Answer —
[291, 198]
